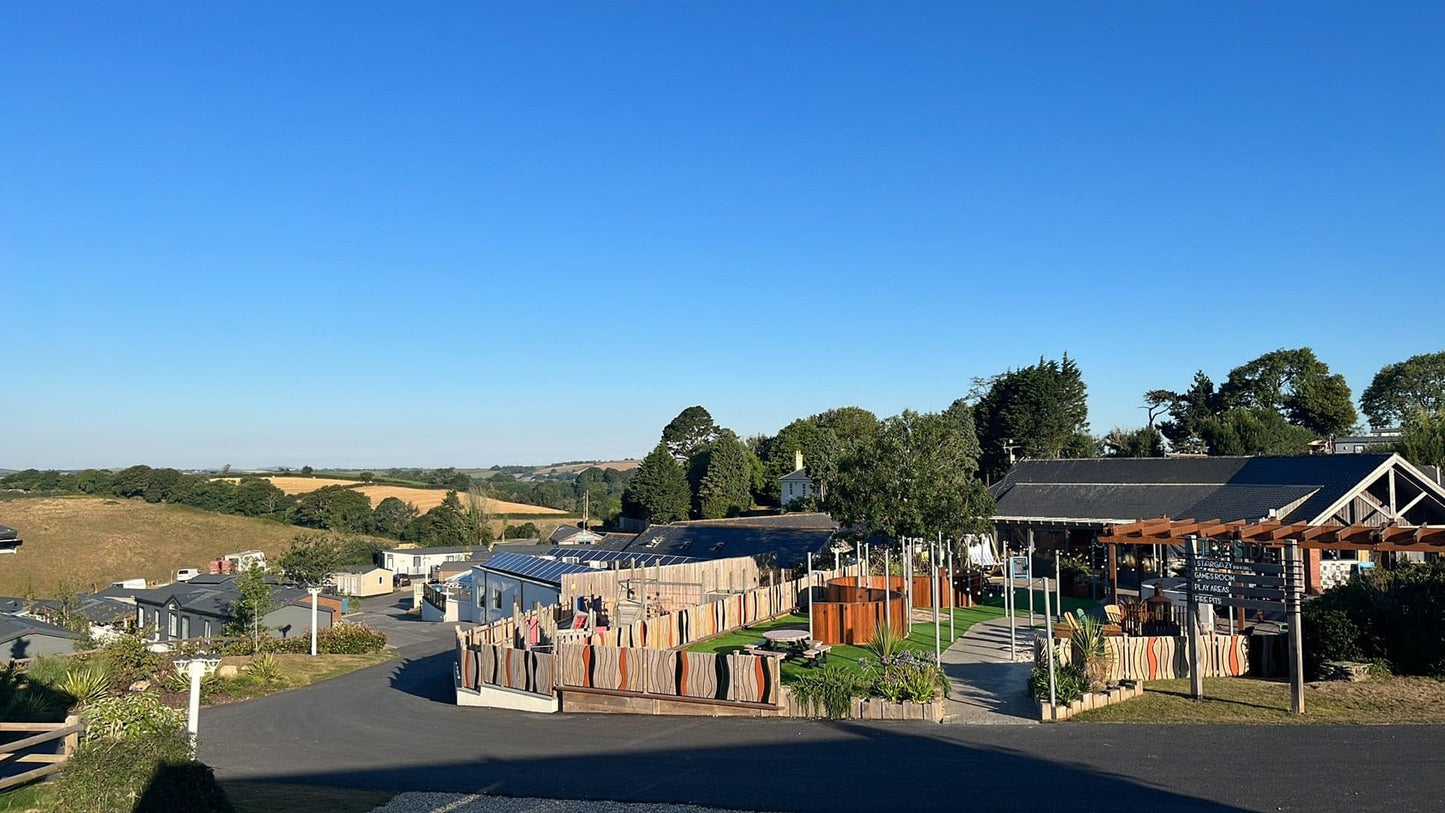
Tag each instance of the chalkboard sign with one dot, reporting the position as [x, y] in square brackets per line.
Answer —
[1251, 585]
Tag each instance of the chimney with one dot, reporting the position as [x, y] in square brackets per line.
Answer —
[797, 460]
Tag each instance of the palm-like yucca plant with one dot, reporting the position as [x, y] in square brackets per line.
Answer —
[86, 684]
[1091, 650]
[265, 668]
[886, 645]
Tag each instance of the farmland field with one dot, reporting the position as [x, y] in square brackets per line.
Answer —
[426, 498]
[577, 468]
[90, 542]
[423, 498]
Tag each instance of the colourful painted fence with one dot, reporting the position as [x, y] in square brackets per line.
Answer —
[524, 670]
[1166, 657]
[735, 678]
[687, 626]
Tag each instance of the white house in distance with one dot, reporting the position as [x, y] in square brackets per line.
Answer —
[420, 561]
[797, 485]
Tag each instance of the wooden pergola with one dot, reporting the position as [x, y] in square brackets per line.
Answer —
[1270, 533]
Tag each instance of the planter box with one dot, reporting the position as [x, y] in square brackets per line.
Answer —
[872, 708]
[1128, 690]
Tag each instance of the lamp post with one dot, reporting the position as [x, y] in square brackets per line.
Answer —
[314, 591]
[195, 668]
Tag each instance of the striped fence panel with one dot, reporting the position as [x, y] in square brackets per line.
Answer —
[1138, 657]
[736, 678]
[520, 669]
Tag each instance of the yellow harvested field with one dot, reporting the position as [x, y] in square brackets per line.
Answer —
[301, 485]
[423, 498]
[427, 498]
[89, 542]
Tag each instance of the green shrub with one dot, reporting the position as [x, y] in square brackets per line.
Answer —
[128, 659]
[150, 771]
[25, 701]
[48, 670]
[1070, 683]
[349, 639]
[909, 679]
[830, 690]
[131, 715]
[1387, 614]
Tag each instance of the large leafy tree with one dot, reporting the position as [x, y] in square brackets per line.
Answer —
[442, 527]
[1146, 441]
[1187, 411]
[689, 433]
[310, 559]
[1242, 431]
[658, 492]
[391, 516]
[724, 484]
[1042, 409]
[256, 599]
[337, 508]
[915, 477]
[1399, 389]
[1295, 384]
[1422, 437]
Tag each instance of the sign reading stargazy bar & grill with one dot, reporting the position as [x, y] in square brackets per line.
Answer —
[1251, 585]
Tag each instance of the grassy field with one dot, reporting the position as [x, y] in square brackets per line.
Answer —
[576, 468]
[1252, 701]
[88, 542]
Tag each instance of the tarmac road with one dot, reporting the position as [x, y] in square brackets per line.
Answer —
[393, 727]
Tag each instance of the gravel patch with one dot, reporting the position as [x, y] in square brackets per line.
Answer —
[477, 803]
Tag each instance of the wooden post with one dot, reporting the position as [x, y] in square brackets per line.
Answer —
[1049, 642]
[1196, 671]
[72, 740]
[1114, 573]
[1294, 591]
[1029, 568]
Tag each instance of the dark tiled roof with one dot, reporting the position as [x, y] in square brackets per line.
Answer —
[722, 540]
[552, 567]
[12, 628]
[1227, 488]
[357, 568]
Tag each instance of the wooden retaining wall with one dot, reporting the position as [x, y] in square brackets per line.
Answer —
[523, 670]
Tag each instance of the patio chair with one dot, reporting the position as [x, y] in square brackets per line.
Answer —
[1114, 613]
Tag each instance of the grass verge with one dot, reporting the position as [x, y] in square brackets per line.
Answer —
[1253, 701]
[248, 797]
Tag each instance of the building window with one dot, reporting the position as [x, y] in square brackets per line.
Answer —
[416, 561]
[172, 626]
[208, 629]
[496, 598]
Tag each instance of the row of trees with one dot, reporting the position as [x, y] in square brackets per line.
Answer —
[1285, 400]
[457, 521]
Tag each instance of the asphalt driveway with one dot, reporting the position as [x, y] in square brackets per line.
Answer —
[393, 727]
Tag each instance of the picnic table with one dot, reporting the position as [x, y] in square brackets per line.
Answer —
[786, 636]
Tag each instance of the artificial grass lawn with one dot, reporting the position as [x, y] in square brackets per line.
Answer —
[1254, 701]
[844, 655]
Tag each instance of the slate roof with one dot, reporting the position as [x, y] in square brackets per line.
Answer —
[212, 599]
[551, 570]
[12, 628]
[800, 474]
[788, 536]
[98, 609]
[1227, 488]
[357, 568]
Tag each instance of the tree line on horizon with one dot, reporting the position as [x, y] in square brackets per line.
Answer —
[915, 474]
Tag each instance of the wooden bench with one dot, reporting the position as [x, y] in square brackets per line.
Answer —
[816, 655]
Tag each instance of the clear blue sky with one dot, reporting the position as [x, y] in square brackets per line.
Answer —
[469, 234]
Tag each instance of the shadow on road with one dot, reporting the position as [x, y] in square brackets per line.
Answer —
[862, 768]
[427, 676]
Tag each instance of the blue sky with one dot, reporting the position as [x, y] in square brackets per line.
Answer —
[468, 234]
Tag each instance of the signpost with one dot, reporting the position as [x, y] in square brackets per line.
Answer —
[1266, 586]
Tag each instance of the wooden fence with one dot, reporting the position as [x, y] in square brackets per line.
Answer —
[523, 670]
[680, 585]
[852, 614]
[734, 678]
[67, 733]
[1138, 657]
